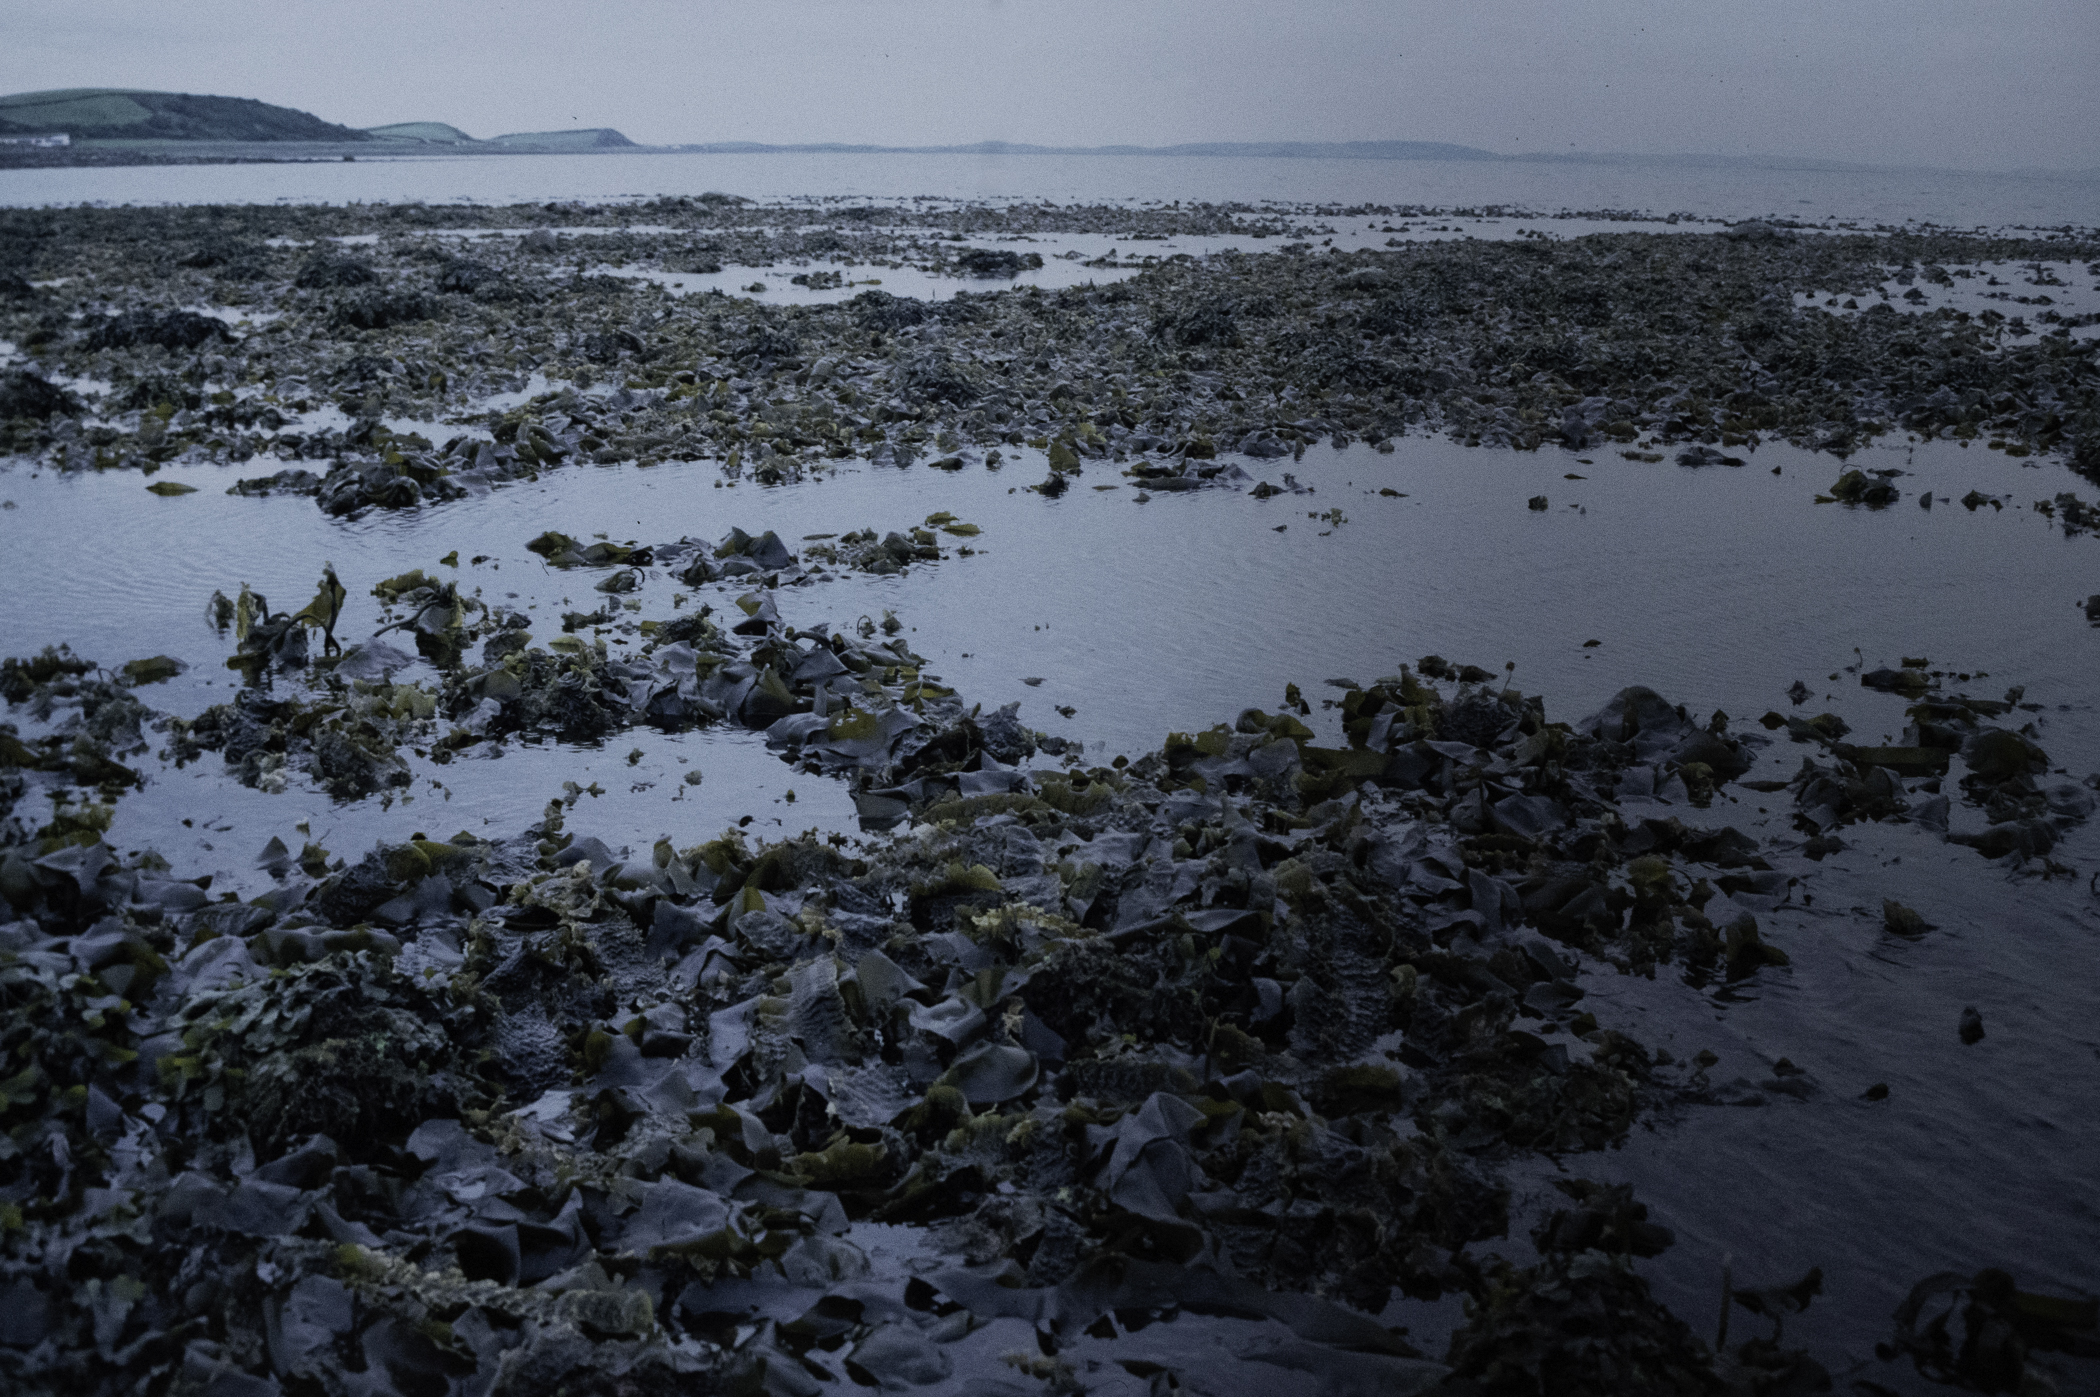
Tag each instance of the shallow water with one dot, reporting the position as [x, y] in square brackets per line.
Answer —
[1718, 586]
[1099, 259]
[1981, 1155]
[2066, 290]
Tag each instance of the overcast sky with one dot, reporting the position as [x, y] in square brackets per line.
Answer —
[1984, 84]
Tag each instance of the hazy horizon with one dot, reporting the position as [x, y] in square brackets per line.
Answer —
[1931, 84]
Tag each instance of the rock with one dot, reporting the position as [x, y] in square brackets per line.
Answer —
[1005, 738]
[24, 394]
[933, 377]
[879, 310]
[325, 269]
[984, 262]
[379, 309]
[1857, 487]
[1209, 321]
[175, 329]
[290, 481]
[1755, 230]
[1907, 680]
[1706, 456]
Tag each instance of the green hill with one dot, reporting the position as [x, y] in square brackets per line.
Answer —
[594, 138]
[428, 132]
[121, 114]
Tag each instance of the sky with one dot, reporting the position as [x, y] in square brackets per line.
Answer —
[1991, 86]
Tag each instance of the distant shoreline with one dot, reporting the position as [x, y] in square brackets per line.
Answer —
[107, 154]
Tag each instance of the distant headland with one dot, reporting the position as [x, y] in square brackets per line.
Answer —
[107, 125]
[112, 125]
[128, 126]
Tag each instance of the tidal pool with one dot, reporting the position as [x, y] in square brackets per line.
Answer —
[1719, 586]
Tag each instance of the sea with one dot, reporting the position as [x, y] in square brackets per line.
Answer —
[1947, 198]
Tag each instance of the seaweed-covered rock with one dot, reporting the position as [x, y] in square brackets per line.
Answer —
[352, 486]
[290, 481]
[326, 268]
[480, 280]
[174, 329]
[1241, 1024]
[1515, 343]
[1581, 1321]
[380, 309]
[894, 551]
[1210, 321]
[879, 310]
[932, 376]
[342, 1047]
[996, 262]
[24, 394]
[347, 741]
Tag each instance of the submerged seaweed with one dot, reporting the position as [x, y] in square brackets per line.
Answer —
[1249, 1012]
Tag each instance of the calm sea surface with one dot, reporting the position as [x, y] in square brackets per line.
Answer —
[1950, 198]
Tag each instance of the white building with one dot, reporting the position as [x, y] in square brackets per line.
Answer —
[45, 142]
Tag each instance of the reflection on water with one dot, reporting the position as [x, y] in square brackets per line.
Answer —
[1718, 586]
[1977, 1156]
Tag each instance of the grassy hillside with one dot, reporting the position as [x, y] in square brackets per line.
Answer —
[100, 113]
[429, 132]
[596, 138]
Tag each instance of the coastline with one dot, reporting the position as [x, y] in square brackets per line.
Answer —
[1222, 1043]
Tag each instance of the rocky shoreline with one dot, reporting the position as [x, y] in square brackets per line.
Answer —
[1607, 340]
[1065, 1077]
[1243, 1023]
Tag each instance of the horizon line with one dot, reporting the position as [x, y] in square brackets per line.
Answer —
[1456, 152]
[1386, 149]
